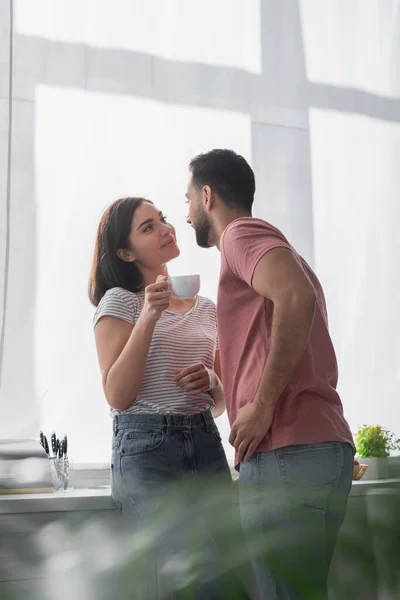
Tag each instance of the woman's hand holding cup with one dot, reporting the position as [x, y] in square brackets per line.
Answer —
[157, 297]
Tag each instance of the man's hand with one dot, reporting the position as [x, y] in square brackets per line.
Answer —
[252, 424]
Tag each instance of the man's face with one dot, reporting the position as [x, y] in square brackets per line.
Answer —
[198, 217]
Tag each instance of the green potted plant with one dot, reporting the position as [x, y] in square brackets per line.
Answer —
[374, 444]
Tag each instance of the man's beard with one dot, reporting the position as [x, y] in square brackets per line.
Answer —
[202, 228]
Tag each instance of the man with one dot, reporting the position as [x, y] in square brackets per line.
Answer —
[279, 372]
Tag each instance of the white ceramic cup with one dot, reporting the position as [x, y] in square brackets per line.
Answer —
[185, 286]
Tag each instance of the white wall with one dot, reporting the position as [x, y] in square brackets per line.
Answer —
[309, 95]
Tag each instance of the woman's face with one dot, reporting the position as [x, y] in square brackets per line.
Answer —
[152, 240]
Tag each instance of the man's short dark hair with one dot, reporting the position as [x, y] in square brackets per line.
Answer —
[228, 174]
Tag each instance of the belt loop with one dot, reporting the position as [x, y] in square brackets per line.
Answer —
[207, 419]
[115, 425]
[169, 425]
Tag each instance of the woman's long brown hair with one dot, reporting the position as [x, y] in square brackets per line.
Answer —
[108, 270]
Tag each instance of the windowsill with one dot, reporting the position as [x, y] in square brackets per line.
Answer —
[94, 475]
[95, 466]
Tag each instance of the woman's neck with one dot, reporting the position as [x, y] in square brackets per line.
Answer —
[181, 305]
[150, 275]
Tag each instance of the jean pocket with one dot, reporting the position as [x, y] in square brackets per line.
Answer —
[309, 466]
[116, 440]
[135, 442]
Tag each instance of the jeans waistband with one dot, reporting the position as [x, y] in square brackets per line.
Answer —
[168, 422]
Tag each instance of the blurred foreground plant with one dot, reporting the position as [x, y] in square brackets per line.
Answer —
[105, 559]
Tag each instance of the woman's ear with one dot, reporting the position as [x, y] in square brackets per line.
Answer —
[126, 255]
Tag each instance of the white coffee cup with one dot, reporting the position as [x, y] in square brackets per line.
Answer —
[185, 286]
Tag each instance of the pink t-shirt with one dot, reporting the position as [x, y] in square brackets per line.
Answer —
[309, 411]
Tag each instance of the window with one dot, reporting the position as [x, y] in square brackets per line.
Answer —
[89, 150]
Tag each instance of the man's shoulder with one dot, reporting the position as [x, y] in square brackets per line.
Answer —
[250, 225]
[247, 229]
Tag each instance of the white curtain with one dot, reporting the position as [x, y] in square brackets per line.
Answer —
[353, 48]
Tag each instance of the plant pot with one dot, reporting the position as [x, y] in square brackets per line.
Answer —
[377, 468]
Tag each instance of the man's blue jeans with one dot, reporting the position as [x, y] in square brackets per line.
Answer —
[293, 502]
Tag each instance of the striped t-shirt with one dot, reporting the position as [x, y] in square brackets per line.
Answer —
[178, 342]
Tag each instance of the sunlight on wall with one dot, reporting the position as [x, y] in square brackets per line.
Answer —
[91, 149]
[356, 210]
[353, 44]
[224, 33]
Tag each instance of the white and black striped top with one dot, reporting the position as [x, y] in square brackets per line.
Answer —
[178, 342]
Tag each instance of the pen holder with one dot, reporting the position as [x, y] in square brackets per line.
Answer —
[59, 472]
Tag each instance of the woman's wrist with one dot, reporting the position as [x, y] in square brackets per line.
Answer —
[148, 320]
[214, 380]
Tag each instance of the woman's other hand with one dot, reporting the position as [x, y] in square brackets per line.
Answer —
[196, 379]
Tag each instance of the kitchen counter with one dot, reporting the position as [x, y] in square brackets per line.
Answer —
[360, 488]
[99, 498]
[69, 500]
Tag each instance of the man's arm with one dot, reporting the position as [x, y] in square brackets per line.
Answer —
[279, 277]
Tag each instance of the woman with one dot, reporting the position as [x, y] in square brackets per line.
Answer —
[160, 370]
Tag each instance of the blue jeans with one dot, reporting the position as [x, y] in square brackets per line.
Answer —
[172, 483]
[292, 503]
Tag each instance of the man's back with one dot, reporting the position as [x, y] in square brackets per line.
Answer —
[309, 411]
